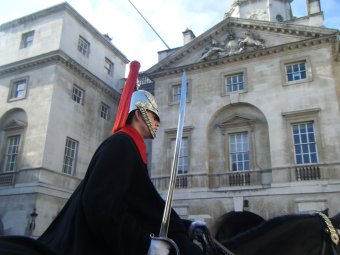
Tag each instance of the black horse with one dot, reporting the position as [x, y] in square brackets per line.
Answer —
[305, 234]
[309, 234]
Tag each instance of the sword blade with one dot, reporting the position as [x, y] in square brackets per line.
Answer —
[167, 210]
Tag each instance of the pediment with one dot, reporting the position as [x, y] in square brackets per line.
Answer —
[236, 121]
[236, 39]
[14, 124]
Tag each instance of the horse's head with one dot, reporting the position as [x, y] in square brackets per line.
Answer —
[336, 221]
[234, 223]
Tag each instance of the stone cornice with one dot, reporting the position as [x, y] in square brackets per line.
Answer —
[164, 71]
[68, 8]
[59, 57]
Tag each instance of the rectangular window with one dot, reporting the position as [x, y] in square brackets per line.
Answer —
[296, 71]
[71, 149]
[27, 39]
[108, 67]
[234, 82]
[104, 111]
[176, 93]
[83, 46]
[78, 95]
[18, 89]
[305, 143]
[239, 151]
[183, 159]
[12, 153]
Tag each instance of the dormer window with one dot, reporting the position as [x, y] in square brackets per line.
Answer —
[27, 39]
[83, 46]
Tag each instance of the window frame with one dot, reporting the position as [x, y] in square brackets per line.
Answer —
[230, 134]
[171, 135]
[108, 70]
[178, 84]
[181, 158]
[302, 116]
[238, 124]
[230, 73]
[75, 97]
[74, 157]
[17, 154]
[308, 143]
[85, 51]
[107, 114]
[290, 62]
[13, 90]
[27, 43]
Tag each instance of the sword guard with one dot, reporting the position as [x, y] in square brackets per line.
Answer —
[168, 241]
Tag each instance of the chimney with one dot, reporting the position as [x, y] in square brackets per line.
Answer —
[188, 35]
[313, 6]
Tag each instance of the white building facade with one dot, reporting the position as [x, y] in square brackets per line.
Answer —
[59, 91]
[262, 115]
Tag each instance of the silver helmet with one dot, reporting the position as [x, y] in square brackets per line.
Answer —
[144, 101]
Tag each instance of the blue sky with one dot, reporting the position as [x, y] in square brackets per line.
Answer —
[170, 18]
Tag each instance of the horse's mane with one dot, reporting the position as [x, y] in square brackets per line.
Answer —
[265, 227]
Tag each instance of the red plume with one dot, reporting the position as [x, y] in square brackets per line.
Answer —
[125, 99]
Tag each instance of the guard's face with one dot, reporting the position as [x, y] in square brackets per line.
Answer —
[155, 122]
[143, 127]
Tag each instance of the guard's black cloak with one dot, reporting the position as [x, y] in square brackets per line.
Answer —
[115, 208]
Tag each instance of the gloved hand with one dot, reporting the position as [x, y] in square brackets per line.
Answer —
[158, 247]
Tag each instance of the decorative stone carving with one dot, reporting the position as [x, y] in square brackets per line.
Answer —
[231, 46]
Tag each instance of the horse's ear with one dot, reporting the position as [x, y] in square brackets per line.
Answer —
[325, 212]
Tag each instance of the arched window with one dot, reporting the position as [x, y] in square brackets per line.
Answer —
[14, 123]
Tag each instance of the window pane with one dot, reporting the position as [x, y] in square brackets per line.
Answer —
[314, 158]
[306, 158]
[312, 148]
[297, 149]
[295, 68]
[311, 138]
[246, 165]
[290, 77]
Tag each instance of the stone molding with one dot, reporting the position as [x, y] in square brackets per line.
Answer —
[59, 57]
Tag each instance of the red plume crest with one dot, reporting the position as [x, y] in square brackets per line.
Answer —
[125, 99]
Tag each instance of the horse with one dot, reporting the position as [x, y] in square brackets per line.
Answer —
[299, 234]
[309, 234]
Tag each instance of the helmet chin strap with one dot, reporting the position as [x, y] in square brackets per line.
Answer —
[148, 122]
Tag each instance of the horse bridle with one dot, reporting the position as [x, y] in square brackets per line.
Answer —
[332, 232]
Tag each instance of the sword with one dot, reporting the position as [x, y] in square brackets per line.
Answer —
[163, 233]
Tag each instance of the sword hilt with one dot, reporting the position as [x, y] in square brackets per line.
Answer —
[168, 241]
